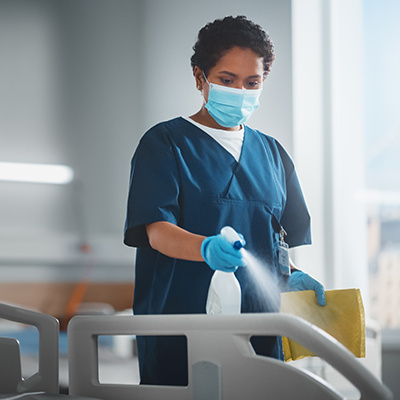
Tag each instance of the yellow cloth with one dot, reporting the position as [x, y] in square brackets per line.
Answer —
[342, 317]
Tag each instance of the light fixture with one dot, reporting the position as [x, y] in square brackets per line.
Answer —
[39, 173]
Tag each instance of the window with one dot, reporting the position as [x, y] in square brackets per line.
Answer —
[382, 167]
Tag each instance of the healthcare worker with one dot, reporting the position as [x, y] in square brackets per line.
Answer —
[191, 176]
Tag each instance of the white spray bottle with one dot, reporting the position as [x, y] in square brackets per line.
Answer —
[224, 294]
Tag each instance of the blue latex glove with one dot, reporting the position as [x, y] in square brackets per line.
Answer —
[220, 254]
[298, 280]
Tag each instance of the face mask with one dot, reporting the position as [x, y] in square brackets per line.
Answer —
[231, 107]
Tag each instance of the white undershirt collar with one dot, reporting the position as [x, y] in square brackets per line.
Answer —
[232, 141]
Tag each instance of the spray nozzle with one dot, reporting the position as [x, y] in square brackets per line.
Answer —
[237, 245]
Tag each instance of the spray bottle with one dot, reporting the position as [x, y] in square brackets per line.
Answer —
[224, 294]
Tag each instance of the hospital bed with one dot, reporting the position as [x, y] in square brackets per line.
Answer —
[222, 363]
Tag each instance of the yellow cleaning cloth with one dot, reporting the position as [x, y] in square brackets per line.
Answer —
[342, 317]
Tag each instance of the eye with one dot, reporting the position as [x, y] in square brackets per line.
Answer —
[226, 81]
[252, 85]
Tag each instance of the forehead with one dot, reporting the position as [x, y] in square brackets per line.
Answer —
[241, 62]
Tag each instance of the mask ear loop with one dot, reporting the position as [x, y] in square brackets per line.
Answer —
[198, 85]
[201, 90]
[206, 78]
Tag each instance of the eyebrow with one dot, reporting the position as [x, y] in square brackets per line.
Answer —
[235, 76]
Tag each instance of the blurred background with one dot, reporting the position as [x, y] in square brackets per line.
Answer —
[82, 80]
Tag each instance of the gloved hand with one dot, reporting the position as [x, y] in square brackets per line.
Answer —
[221, 254]
[298, 281]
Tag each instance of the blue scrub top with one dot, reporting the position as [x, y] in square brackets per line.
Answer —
[182, 175]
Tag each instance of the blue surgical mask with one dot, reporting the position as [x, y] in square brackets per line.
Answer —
[231, 107]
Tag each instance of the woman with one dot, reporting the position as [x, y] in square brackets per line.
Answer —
[191, 176]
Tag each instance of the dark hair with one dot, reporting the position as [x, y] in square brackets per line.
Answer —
[220, 36]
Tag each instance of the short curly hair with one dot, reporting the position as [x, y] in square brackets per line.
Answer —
[220, 36]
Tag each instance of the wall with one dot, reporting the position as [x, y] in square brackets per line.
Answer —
[169, 29]
[81, 81]
[328, 134]
[68, 85]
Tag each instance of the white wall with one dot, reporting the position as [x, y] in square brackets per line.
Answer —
[68, 83]
[329, 136]
[81, 81]
[168, 32]
[309, 126]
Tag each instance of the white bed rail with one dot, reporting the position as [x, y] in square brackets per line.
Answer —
[222, 363]
[46, 379]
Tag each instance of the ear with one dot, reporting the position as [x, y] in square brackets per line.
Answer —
[198, 76]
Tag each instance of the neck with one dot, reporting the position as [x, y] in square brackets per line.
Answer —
[204, 118]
